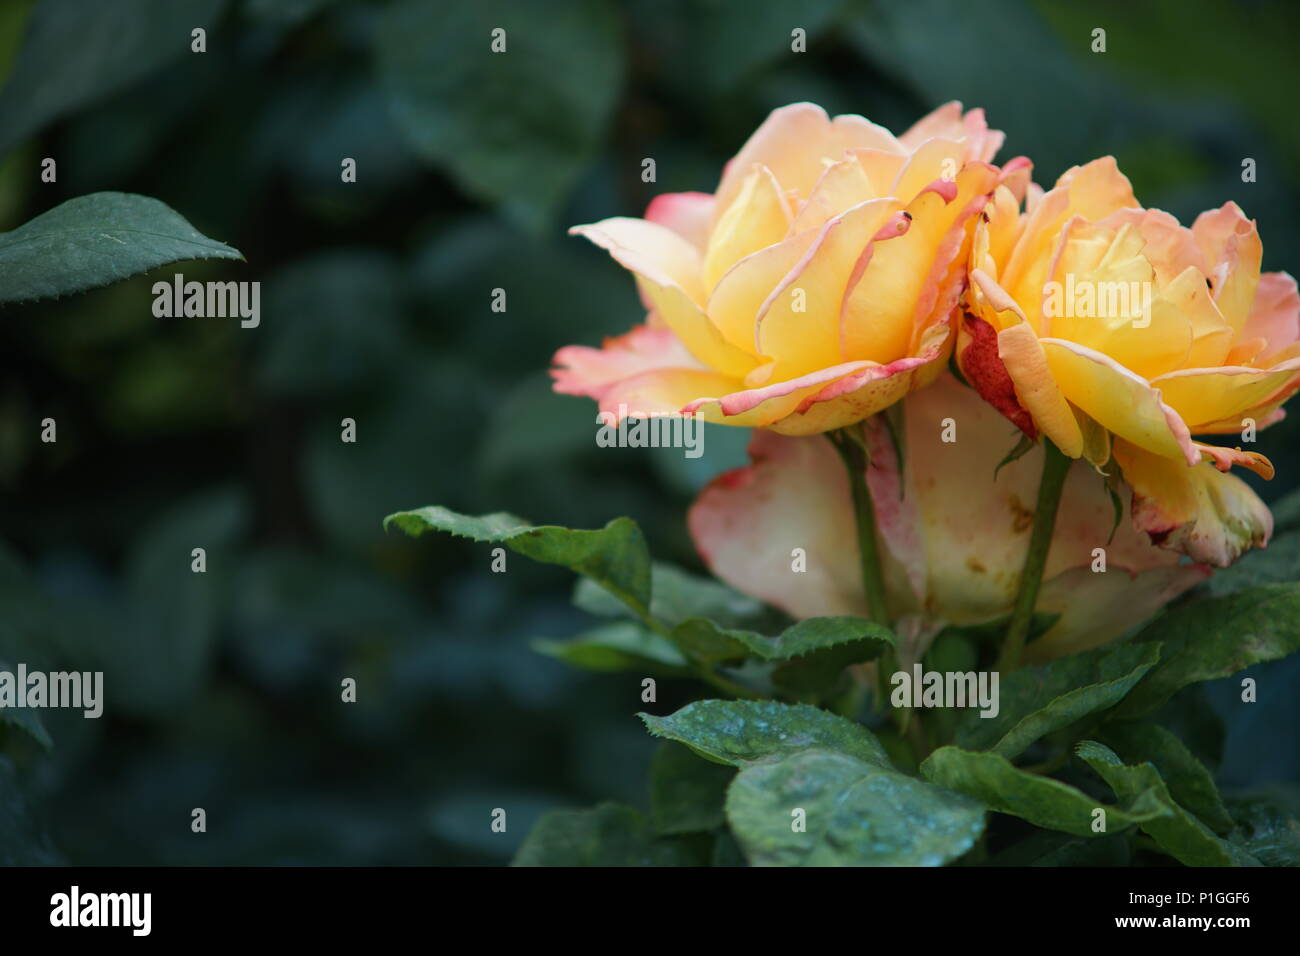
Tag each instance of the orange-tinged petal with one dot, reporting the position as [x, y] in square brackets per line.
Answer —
[793, 142]
[741, 293]
[1118, 399]
[843, 185]
[1275, 313]
[890, 304]
[1202, 395]
[1104, 297]
[942, 121]
[936, 159]
[799, 323]
[1233, 253]
[667, 267]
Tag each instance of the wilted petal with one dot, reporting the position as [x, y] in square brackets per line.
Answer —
[1210, 516]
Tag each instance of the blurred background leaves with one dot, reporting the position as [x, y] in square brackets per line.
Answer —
[224, 688]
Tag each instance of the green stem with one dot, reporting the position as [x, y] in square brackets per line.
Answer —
[1055, 467]
[727, 686]
[848, 442]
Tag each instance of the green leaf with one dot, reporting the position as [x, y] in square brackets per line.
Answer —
[1215, 637]
[1279, 563]
[1023, 447]
[686, 792]
[624, 645]
[515, 128]
[1036, 701]
[1268, 826]
[77, 52]
[743, 732]
[993, 780]
[855, 813]
[1188, 780]
[93, 240]
[610, 834]
[676, 595]
[1179, 834]
[615, 557]
[817, 649]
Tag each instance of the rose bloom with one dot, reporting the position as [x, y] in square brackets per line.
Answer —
[813, 289]
[953, 536]
[1119, 334]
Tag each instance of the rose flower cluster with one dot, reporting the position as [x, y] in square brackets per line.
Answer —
[938, 308]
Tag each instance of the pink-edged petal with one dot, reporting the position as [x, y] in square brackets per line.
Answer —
[944, 120]
[1233, 253]
[1119, 400]
[980, 144]
[1275, 313]
[668, 268]
[861, 394]
[652, 251]
[911, 282]
[581, 370]
[793, 142]
[1215, 394]
[748, 522]
[768, 405]
[1210, 516]
[659, 392]
[1017, 175]
[687, 214]
[1224, 458]
[798, 325]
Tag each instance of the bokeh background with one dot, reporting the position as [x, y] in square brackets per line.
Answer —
[223, 689]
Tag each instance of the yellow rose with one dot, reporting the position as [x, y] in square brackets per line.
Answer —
[813, 289]
[1119, 334]
[953, 536]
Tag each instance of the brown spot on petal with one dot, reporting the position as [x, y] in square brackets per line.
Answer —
[1022, 517]
[973, 563]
